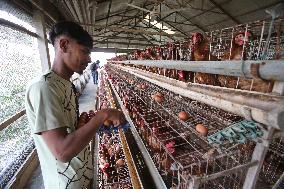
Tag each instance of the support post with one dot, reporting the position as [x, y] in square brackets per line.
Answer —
[259, 153]
[42, 40]
[278, 88]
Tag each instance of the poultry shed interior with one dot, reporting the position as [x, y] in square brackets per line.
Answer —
[200, 83]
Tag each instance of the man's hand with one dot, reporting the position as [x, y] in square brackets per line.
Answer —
[83, 119]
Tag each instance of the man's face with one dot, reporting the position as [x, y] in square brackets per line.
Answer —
[77, 57]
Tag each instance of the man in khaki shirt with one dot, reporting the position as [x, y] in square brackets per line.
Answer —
[63, 147]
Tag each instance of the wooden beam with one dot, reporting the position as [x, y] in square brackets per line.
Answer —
[87, 8]
[120, 37]
[194, 23]
[112, 28]
[24, 174]
[93, 9]
[224, 11]
[122, 43]
[111, 50]
[71, 9]
[76, 6]
[48, 9]
[17, 27]
[84, 13]
[12, 119]
[108, 12]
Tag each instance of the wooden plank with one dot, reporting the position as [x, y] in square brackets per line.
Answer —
[10, 120]
[20, 180]
[17, 27]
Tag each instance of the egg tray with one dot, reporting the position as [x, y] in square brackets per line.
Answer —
[239, 132]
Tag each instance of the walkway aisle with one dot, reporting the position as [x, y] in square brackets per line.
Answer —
[86, 102]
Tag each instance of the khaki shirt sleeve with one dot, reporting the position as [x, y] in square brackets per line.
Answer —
[46, 107]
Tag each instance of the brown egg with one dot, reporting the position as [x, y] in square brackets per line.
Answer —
[120, 162]
[159, 94]
[108, 123]
[110, 152]
[201, 129]
[131, 82]
[117, 149]
[183, 115]
[158, 99]
[143, 86]
[139, 86]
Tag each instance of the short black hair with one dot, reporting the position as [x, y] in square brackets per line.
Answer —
[73, 30]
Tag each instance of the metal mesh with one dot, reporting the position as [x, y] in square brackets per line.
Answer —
[111, 174]
[19, 63]
[259, 31]
[273, 166]
[15, 145]
[180, 153]
[12, 13]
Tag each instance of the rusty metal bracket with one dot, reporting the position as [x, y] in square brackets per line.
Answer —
[254, 70]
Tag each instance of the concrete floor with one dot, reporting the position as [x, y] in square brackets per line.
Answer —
[86, 103]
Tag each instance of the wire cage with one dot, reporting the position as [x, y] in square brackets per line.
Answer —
[112, 166]
[259, 40]
[273, 167]
[113, 171]
[183, 156]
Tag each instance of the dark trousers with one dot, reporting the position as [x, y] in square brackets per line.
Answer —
[95, 77]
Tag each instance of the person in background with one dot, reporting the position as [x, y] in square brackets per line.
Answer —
[94, 69]
[61, 139]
